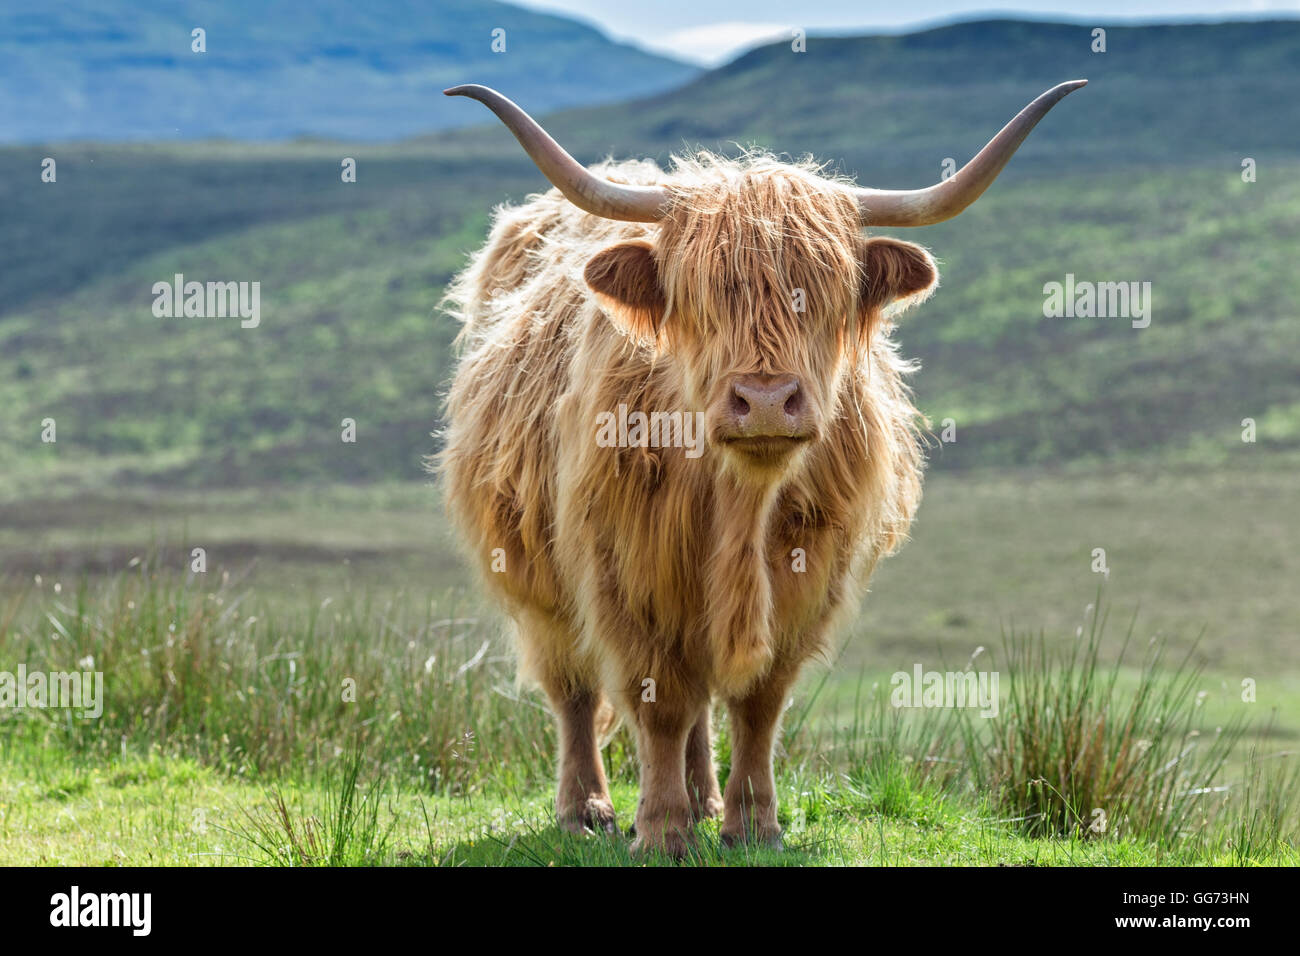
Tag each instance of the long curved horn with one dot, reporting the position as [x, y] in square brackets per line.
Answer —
[588, 192]
[923, 207]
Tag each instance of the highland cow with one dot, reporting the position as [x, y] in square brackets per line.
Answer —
[645, 582]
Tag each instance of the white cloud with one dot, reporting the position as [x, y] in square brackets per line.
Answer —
[713, 43]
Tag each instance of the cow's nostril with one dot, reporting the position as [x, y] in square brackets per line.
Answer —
[794, 404]
[739, 407]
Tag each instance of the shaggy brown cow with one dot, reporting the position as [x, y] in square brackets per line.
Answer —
[648, 569]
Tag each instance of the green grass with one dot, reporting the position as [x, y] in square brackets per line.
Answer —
[229, 735]
[309, 588]
[177, 821]
[1196, 549]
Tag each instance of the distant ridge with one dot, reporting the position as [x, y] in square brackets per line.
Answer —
[888, 105]
[124, 69]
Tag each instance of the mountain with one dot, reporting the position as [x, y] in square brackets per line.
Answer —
[125, 69]
[1136, 178]
[889, 109]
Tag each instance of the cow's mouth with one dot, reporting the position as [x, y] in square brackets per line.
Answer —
[766, 449]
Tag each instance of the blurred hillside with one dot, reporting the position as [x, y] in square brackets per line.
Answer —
[1136, 178]
[124, 69]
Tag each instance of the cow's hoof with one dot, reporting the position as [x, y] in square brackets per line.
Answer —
[671, 844]
[673, 838]
[595, 815]
[767, 838]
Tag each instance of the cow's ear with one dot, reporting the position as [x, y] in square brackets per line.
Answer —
[625, 279]
[895, 276]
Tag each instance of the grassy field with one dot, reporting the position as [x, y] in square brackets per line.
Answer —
[1194, 549]
[171, 812]
[224, 742]
[225, 738]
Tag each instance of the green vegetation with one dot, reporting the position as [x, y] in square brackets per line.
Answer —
[1197, 550]
[348, 330]
[353, 734]
[351, 273]
[226, 736]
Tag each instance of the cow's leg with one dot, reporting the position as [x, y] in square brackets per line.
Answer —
[582, 795]
[663, 814]
[701, 777]
[548, 655]
[750, 799]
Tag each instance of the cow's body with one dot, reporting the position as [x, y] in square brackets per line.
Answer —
[640, 578]
[621, 563]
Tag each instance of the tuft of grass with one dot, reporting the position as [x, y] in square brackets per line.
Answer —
[347, 832]
[1080, 750]
[1265, 821]
[907, 766]
[1075, 752]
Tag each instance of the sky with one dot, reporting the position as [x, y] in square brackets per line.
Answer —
[712, 31]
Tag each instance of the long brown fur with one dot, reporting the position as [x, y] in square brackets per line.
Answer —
[624, 566]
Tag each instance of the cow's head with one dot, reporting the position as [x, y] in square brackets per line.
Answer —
[758, 279]
[761, 286]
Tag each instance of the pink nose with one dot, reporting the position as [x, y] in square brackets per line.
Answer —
[766, 406]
